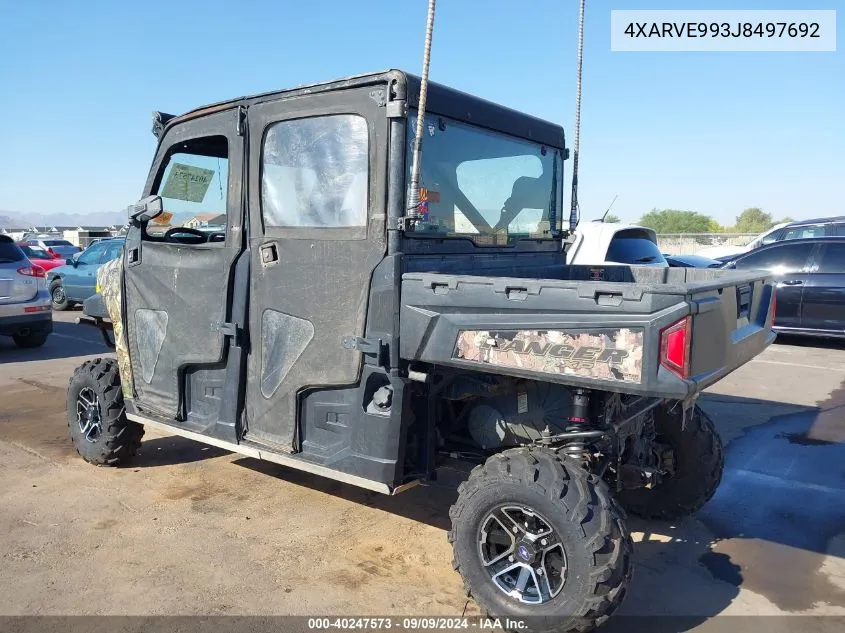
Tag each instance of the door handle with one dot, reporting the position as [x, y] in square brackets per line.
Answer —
[791, 282]
[269, 254]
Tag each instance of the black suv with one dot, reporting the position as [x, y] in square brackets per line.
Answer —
[810, 277]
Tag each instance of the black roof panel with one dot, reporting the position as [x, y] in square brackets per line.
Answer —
[441, 100]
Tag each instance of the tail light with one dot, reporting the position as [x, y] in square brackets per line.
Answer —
[675, 347]
[32, 271]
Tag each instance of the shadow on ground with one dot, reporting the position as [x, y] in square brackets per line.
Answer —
[172, 450]
[768, 529]
[810, 341]
[66, 341]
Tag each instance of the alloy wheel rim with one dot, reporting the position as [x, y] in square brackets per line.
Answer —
[88, 414]
[522, 554]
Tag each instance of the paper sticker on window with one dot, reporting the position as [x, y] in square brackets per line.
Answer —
[163, 218]
[187, 183]
[522, 402]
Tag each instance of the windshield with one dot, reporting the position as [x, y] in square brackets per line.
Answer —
[489, 186]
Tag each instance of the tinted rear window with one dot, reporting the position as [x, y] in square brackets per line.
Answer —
[629, 249]
[57, 243]
[9, 252]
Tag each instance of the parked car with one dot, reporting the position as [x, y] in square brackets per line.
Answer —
[40, 257]
[24, 301]
[810, 278]
[729, 251]
[58, 248]
[599, 243]
[691, 261]
[802, 229]
[76, 280]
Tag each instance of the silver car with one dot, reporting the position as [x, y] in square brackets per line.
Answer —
[25, 312]
[55, 246]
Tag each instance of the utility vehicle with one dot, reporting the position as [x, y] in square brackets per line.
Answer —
[330, 330]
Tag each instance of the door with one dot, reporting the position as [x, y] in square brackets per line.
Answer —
[177, 281]
[79, 281]
[317, 199]
[789, 264]
[823, 306]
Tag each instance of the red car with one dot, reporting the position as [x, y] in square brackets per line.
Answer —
[40, 257]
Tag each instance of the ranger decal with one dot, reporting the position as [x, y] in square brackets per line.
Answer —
[607, 354]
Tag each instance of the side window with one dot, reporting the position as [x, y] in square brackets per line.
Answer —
[193, 182]
[91, 255]
[785, 258]
[771, 237]
[833, 259]
[315, 173]
[803, 232]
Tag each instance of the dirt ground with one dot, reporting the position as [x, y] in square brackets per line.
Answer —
[190, 529]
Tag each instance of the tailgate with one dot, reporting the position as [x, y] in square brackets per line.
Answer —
[600, 335]
[730, 325]
[14, 287]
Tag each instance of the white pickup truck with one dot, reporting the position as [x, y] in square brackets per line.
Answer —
[613, 243]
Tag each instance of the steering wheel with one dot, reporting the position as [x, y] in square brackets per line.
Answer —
[197, 236]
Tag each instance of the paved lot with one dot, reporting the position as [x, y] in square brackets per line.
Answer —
[192, 529]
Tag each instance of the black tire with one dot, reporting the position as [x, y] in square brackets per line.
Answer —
[31, 340]
[587, 520]
[118, 439]
[698, 464]
[58, 298]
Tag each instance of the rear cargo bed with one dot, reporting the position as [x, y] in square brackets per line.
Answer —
[594, 327]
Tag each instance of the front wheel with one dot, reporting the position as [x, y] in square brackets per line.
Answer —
[695, 464]
[96, 417]
[537, 537]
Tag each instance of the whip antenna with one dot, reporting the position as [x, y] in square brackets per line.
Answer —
[574, 209]
[414, 197]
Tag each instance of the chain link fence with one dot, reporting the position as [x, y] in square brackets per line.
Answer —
[692, 243]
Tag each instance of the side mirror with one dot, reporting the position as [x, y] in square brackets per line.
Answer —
[146, 209]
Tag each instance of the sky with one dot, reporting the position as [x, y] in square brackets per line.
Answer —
[709, 132]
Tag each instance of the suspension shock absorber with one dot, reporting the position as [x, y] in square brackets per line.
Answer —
[579, 420]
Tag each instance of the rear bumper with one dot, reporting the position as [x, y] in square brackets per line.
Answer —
[29, 316]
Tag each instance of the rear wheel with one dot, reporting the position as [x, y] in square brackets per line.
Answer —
[96, 417]
[695, 462]
[58, 298]
[30, 340]
[537, 537]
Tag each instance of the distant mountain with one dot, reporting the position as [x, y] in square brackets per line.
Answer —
[102, 218]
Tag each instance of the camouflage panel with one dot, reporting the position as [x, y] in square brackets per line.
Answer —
[109, 278]
[607, 354]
